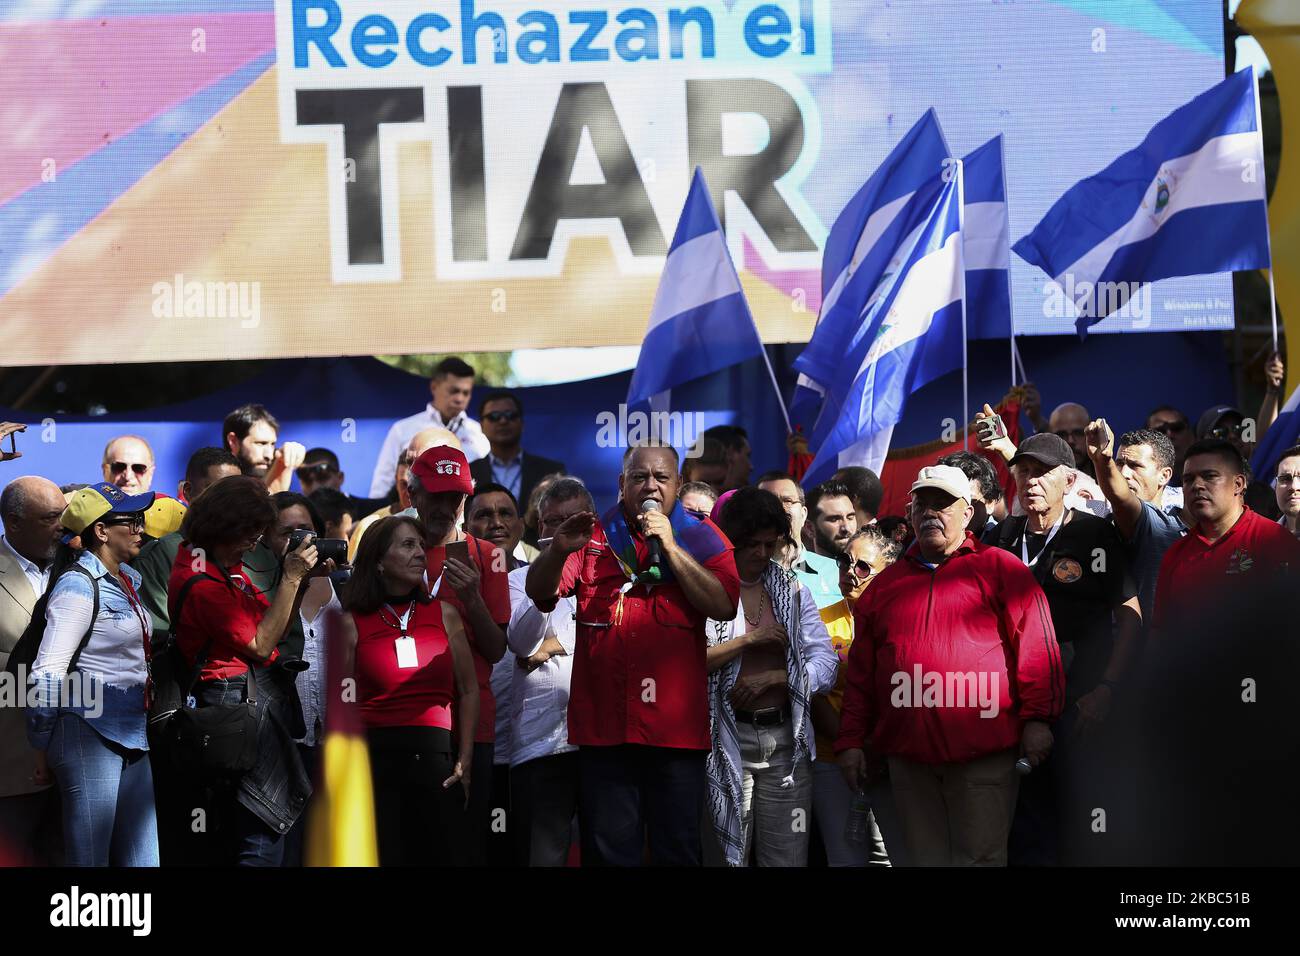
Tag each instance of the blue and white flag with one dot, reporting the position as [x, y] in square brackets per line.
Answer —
[867, 234]
[1189, 200]
[1281, 435]
[986, 243]
[700, 321]
[917, 337]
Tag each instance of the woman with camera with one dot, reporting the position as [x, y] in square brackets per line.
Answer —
[91, 682]
[298, 517]
[412, 663]
[227, 631]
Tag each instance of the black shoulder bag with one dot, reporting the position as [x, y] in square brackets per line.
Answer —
[210, 741]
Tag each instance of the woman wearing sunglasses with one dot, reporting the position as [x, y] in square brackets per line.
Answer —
[869, 552]
[91, 678]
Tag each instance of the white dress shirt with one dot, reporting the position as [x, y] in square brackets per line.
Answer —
[539, 700]
[472, 441]
[37, 578]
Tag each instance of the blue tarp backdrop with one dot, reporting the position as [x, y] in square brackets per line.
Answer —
[323, 402]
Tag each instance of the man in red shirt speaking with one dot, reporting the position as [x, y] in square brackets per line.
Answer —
[954, 673]
[647, 576]
[1229, 546]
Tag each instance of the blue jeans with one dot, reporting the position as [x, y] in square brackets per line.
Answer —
[630, 795]
[107, 798]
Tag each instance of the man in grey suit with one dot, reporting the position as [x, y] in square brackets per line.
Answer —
[502, 416]
[30, 508]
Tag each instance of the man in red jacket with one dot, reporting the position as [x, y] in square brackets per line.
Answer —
[953, 674]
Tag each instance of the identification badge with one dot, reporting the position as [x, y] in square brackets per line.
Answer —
[406, 656]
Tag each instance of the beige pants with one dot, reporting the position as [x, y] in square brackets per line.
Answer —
[956, 814]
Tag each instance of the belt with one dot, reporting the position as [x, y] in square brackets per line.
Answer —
[767, 717]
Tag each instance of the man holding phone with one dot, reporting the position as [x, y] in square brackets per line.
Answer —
[472, 576]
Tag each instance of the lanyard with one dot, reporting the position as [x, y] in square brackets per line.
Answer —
[1024, 540]
[142, 616]
[398, 622]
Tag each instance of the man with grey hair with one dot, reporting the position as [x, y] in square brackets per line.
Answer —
[544, 765]
[30, 508]
[129, 464]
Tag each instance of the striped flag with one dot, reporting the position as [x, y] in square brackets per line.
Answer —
[986, 243]
[865, 236]
[915, 336]
[700, 322]
[1189, 200]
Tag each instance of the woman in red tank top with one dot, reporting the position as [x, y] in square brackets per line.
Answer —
[412, 665]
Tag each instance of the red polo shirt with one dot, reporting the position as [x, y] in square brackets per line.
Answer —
[640, 679]
[494, 585]
[1195, 570]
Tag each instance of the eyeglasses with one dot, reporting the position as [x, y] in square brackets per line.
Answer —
[1228, 431]
[314, 471]
[498, 417]
[1170, 428]
[1068, 433]
[133, 523]
[120, 467]
[860, 568]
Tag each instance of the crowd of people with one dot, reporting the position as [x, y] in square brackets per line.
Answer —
[713, 671]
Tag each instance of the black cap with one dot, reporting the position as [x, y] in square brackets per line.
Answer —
[1211, 417]
[1051, 450]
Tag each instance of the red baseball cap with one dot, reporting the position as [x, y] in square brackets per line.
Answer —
[443, 468]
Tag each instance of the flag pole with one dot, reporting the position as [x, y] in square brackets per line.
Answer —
[780, 401]
[1011, 307]
[1268, 229]
[965, 363]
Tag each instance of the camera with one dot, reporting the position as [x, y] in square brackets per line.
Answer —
[326, 548]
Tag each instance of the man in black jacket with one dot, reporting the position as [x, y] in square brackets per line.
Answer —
[507, 464]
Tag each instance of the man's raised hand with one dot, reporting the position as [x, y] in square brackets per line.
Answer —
[574, 533]
[1100, 439]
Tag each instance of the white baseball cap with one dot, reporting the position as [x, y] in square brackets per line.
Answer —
[945, 478]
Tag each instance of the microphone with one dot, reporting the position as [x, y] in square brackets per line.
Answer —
[656, 554]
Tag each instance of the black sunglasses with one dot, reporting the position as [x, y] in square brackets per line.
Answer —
[1228, 431]
[312, 471]
[1170, 428]
[134, 522]
[120, 467]
[498, 417]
